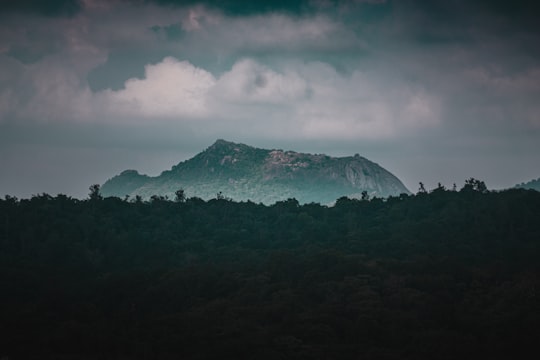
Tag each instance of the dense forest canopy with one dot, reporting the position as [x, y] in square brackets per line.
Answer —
[442, 274]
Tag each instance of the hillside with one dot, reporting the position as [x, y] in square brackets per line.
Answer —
[531, 185]
[243, 172]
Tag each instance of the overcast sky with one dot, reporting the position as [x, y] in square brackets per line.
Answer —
[433, 91]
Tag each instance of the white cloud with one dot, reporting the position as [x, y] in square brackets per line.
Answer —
[251, 82]
[313, 100]
[299, 100]
[422, 110]
[170, 89]
[360, 106]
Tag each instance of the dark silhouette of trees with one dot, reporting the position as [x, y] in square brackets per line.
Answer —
[473, 184]
[442, 274]
[180, 196]
[95, 192]
[365, 195]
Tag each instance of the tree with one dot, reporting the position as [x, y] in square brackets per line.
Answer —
[473, 184]
[365, 195]
[94, 192]
[180, 195]
[157, 198]
[439, 189]
[220, 196]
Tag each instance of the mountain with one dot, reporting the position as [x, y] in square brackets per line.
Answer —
[533, 185]
[243, 172]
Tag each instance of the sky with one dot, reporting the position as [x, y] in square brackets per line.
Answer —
[433, 91]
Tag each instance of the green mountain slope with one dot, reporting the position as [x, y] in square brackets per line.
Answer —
[532, 185]
[242, 172]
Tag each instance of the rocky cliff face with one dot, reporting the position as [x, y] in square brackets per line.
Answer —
[242, 172]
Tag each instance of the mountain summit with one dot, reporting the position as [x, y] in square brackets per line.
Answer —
[243, 172]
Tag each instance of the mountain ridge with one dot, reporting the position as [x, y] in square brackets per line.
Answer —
[244, 172]
[531, 185]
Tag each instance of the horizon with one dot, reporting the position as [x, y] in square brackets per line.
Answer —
[437, 92]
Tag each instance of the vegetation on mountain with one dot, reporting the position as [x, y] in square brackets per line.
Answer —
[242, 172]
[532, 185]
[437, 275]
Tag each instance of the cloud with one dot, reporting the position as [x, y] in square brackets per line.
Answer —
[170, 89]
[274, 72]
[360, 106]
[507, 100]
[47, 8]
[327, 76]
[249, 82]
[301, 100]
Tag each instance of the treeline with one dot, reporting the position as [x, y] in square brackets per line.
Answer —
[437, 275]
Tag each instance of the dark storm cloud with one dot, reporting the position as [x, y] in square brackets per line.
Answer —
[230, 7]
[370, 8]
[522, 14]
[42, 7]
[242, 8]
[445, 22]
[438, 13]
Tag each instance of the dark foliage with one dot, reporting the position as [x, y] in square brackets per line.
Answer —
[438, 275]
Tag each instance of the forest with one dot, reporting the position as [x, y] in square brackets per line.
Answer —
[441, 274]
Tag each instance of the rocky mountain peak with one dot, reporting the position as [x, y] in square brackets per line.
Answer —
[243, 172]
[220, 143]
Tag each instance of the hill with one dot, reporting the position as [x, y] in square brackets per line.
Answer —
[531, 185]
[243, 172]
